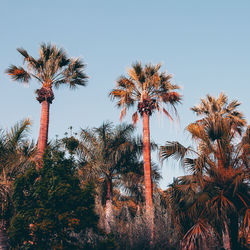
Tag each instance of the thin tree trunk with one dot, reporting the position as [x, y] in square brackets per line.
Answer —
[147, 164]
[147, 175]
[226, 237]
[108, 206]
[44, 125]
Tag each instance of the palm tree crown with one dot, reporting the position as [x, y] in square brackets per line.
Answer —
[147, 87]
[214, 110]
[52, 68]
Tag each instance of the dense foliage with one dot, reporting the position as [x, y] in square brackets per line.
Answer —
[51, 210]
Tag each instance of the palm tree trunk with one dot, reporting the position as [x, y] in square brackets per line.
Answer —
[108, 206]
[226, 238]
[44, 125]
[147, 176]
[147, 164]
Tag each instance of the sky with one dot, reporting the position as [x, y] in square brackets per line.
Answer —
[204, 44]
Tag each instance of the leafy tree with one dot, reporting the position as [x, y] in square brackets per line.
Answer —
[150, 89]
[51, 210]
[16, 153]
[52, 69]
[106, 154]
[70, 143]
[214, 198]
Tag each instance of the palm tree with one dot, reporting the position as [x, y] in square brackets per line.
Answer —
[16, 152]
[106, 153]
[132, 181]
[150, 89]
[214, 197]
[52, 69]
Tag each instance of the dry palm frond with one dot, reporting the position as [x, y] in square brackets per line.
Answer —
[196, 236]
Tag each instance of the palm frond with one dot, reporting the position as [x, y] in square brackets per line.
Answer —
[73, 74]
[173, 149]
[167, 114]
[221, 204]
[18, 74]
[135, 118]
[196, 235]
[32, 63]
[18, 132]
[137, 74]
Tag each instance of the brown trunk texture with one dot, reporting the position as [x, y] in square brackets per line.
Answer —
[147, 163]
[44, 125]
[226, 238]
[108, 207]
[219, 156]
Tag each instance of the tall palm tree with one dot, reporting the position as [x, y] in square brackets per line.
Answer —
[150, 90]
[52, 69]
[16, 152]
[214, 197]
[106, 153]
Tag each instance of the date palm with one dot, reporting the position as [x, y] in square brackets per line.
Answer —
[214, 197]
[52, 69]
[150, 90]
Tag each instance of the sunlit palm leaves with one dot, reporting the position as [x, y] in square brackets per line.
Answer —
[53, 67]
[145, 83]
[217, 191]
[18, 74]
[212, 108]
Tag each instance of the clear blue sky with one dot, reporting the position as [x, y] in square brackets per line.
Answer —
[205, 44]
